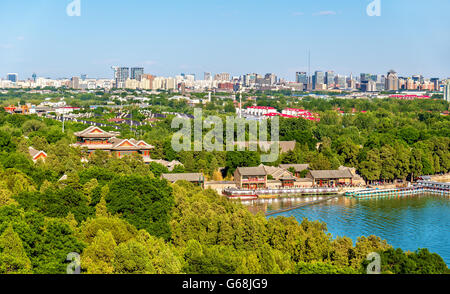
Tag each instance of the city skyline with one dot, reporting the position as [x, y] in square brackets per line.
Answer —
[210, 36]
[200, 76]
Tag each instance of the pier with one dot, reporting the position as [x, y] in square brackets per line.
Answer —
[421, 187]
[234, 193]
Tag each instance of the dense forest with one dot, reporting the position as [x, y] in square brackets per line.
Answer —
[394, 139]
[122, 218]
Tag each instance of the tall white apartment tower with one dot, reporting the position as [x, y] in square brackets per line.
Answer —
[447, 91]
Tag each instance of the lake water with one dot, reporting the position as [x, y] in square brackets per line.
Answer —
[408, 223]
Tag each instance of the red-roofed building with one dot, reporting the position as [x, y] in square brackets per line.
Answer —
[94, 138]
[37, 155]
[301, 113]
[260, 110]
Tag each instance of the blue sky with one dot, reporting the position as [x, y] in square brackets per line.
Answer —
[236, 36]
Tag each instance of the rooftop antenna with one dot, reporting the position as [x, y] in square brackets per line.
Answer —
[131, 122]
[309, 68]
[240, 105]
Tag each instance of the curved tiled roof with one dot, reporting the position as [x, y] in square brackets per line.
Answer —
[190, 177]
[252, 171]
[331, 174]
[89, 133]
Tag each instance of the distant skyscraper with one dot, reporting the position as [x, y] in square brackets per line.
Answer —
[34, 77]
[75, 83]
[392, 81]
[207, 76]
[318, 80]
[222, 77]
[341, 81]
[121, 74]
[447, 91]
[270, 78]
[418, 78]
[302, 78]
[365, 77]
[329, 75]
[83, 77]
[12, 77]
[136, 73]
[435, 82]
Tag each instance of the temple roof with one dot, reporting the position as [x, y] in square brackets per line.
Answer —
[331, 174]
[114, 144]
[35, 153]
[252, 171]
[297, 167]
[129, 144]
[190, 177]
[95, 132]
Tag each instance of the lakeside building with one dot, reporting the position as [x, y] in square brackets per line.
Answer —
[298, 168]
[281, 179]
[195, 178]
[251, 178]
[331, 177]
[94, 138]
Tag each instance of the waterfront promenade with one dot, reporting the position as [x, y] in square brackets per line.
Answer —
[421, 187]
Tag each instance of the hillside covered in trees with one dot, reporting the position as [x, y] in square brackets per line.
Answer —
[121, 218]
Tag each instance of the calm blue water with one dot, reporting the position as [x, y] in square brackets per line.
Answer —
[408, 223]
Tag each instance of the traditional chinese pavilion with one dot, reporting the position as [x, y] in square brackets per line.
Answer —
[94, 138]
[36, 154]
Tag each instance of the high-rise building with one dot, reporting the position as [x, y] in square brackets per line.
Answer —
[207, 76]
[222, 77]
[34, 77]
[418, 78]
[392, 82]
[12, 77]
[301, 78]
[75, 83]
[121, 74]
[329, 75]
[374, 78]
[136, 73]
[83, 77]
[318, 80]
[190, 77]
[447, 91]
[270, 79]
[435, 82]
[341, 81]
[365, 77]
[368, 86]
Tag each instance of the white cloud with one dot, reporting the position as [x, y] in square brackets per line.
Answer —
[20, 38]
